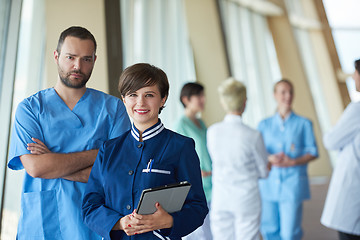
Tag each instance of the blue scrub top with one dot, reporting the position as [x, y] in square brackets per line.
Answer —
[120, 174]
[294, 137]
[51, 208]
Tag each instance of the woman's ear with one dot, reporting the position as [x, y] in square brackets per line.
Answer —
[163, 101]
[185, 100]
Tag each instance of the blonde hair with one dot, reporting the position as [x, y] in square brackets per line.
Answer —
[232, 94]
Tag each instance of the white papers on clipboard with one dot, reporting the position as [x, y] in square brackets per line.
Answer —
[171, 197]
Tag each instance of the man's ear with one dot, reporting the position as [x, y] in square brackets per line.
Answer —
[56, 56]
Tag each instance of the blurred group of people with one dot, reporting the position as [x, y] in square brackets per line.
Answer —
[256, 180]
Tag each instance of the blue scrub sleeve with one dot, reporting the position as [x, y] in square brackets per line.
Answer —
[309, 139]
[121, 122]
[195, 208]
[95, 214]
[25, 127]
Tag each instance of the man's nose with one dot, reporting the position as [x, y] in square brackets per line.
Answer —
[77, 64]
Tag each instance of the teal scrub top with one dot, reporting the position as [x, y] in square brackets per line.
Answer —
[51, 208]
[187, 128]
[294, 137]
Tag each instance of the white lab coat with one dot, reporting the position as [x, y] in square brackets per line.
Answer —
[342, 206]
[239, 159]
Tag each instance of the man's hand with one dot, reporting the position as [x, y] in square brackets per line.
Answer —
[38, 147]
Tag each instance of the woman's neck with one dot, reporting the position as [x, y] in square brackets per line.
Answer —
[284, 112]
[142, 128]
[192, 116]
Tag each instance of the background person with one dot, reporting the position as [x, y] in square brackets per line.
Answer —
[342, 205]
[147, 156]
[192, 97]
[56, 136]
[239, 159]
[290, 141]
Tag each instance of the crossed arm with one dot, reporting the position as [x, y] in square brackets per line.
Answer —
[42, 163]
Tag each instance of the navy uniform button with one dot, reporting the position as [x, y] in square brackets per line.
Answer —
[139, 146]
[131, 172]
[128, 207]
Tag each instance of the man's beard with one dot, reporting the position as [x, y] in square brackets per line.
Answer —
[65, 78]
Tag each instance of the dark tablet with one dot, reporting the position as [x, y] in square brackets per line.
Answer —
[171, 197]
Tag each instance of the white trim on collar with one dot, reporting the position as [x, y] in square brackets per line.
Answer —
[148, 133]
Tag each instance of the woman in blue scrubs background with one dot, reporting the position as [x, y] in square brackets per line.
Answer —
[290, 142]
[121, 170]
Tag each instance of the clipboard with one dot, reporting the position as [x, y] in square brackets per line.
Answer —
[171, 197]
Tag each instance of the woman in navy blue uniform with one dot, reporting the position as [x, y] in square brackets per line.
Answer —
[147, 156]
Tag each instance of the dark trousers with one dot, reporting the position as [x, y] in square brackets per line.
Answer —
[347, 236]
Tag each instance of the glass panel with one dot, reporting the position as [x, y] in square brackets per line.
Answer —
[252, 58]
[343, 14]
[154, 31]
[28, 79]
[4, 23]
[348, 48]
[345, 23]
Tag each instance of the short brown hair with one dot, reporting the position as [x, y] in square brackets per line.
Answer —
[143, 75]
[190, 89]
[78, 32]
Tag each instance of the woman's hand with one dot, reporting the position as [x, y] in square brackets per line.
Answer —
[136, 224]
[38, 147]
[125, 225]
[275, 159]
[282, 160]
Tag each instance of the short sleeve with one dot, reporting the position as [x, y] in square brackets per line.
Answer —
[309, 140]
[26, 125]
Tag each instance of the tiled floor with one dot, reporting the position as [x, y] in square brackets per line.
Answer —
[313, 229]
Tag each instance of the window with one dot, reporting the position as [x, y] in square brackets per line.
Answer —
[345, 23]
[25, 77]
[253, 58]
[154, 31]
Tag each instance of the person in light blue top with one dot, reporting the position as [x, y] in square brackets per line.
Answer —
[191, 125]
[56, 136]
[290, 142]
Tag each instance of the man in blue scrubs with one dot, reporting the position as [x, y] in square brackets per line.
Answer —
[56, 136]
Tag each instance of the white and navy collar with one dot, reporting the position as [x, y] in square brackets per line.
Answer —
[148, 133]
